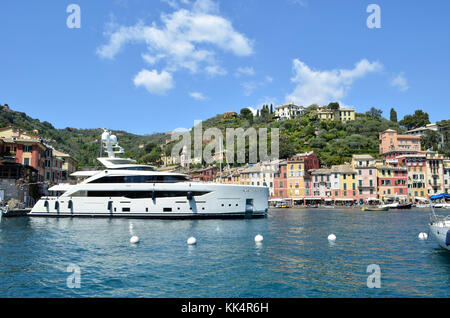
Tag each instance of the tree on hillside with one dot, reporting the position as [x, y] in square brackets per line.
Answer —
[373, 112]
[246, 114]
[418, 119]
[149, 147]
[393, 116]
[271, 108]
[430, 140]
[333, 106]
[265, 113]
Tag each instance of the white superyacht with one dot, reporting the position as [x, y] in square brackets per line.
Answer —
[126, 189]
[439, 224]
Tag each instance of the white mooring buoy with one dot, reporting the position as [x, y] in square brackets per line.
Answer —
[259, 238]
[332, 237]
[134, 239]
[192, 241]
[423, 236]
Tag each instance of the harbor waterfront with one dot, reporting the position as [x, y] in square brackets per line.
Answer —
[295, 259]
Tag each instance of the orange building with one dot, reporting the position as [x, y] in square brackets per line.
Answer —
[392, 144]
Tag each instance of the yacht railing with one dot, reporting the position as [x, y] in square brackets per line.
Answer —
[436, 218]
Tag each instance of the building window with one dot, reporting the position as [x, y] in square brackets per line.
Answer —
[26, 161]
[27, 148]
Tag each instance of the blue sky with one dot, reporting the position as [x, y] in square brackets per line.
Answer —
[152, 66]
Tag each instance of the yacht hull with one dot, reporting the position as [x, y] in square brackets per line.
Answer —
[441, 234]
[220, 201]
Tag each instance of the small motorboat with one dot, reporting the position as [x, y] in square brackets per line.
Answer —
[440, 225]
[375, 208]
[398, 205]
[404, 206]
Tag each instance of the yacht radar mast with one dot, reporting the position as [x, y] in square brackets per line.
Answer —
[109, 142]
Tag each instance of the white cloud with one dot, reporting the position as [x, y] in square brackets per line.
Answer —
[400, 82]
[215, 70]
[303, 3]
[249, 71]
[185, 39]
[155, 83]
[322, 87]
[197, 96]
[250, 87]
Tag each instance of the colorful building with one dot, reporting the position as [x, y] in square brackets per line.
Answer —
[416, 166]
[392, 144]
[320, 185]
[342, 114]
[297, 168]
[366, 177]
[447, 175]
[69, 164]
[348, 192]
[280, 181]
[288, 111]
[27, 149]
[392, 182]
[435, 173]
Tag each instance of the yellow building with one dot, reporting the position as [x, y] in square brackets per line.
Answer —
[345, 114]
[69, 164]
[325, 114]
[342, 114]
[348, 182]
[295, 178]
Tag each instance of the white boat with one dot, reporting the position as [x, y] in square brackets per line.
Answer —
[125, 189]
[442, 206]
[422, 203]
[423, 206]
[440, 225]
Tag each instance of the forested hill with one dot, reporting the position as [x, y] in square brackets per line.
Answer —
[82, 144]
[333, 141]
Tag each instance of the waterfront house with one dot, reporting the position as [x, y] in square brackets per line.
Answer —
[366, 177]
[392, 181]
[297, 168]
[69, 164]
[280, 181]
[417, 174]
[447, 175]
[320, 185]
[347, 193]
[52, 167]
[18, 182]
[435, 173]
[27, 149]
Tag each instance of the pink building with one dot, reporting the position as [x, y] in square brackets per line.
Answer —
[366, 177]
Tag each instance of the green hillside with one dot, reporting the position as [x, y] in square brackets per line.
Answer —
[82, 144]
[334, 142]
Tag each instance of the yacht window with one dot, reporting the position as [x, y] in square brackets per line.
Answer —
[141, 179]
[137, 194]
[135, 168]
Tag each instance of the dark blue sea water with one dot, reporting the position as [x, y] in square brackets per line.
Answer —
[295, 259]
